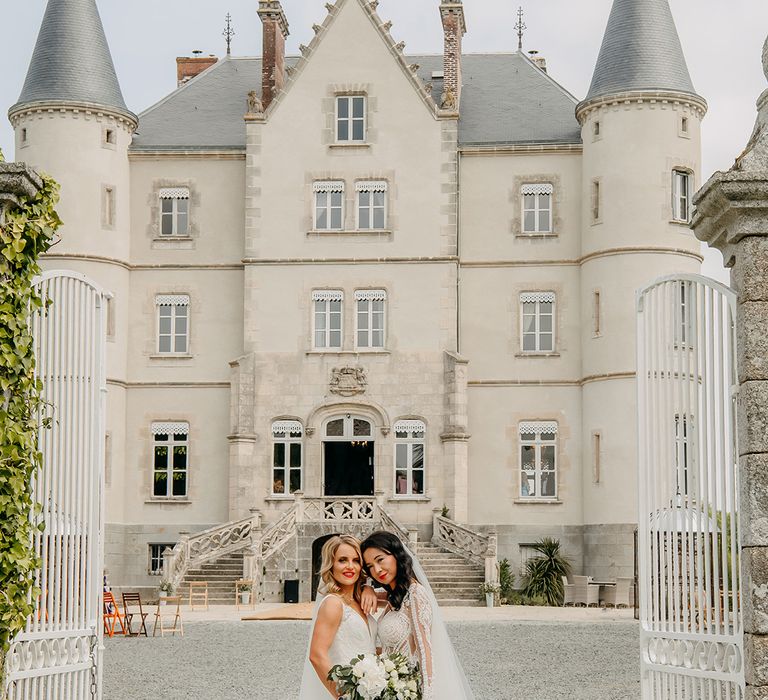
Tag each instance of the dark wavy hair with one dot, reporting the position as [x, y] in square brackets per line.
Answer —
[391, 544]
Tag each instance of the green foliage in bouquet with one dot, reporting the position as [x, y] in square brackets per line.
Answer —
[377, 677]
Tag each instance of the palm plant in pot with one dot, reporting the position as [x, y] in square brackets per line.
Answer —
[544, 573]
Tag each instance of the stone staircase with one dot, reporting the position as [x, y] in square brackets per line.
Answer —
[220, 574]
[454, 579]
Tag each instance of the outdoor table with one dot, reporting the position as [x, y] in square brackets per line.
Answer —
[603, 585]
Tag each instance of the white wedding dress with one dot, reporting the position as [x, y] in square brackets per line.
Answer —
[353, 637]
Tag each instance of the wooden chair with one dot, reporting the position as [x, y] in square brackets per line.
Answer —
[134, 599]
[568, 589]
[166, 612]
[112, 615]
[584, 592]
[198, 594]
[239, 585]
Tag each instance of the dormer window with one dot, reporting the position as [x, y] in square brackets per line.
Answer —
[350, 119]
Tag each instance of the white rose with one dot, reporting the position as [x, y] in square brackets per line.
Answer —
[388, 665]
[373, 682]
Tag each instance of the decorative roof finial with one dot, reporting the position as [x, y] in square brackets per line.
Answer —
[521, 27]
[228, 33]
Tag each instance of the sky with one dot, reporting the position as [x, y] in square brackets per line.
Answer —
[722, 42]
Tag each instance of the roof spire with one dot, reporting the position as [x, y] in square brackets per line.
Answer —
[228, 33]
[641, 51]
[520, 27]
[71, 61]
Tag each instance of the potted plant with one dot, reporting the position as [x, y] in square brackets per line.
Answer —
[166, 589]
[245, 593]
[490, 590]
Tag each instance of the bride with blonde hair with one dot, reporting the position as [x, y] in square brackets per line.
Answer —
[340, 629]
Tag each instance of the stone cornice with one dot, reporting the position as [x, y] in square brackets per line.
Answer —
[350, 261]
[628, 250]
[63, 107]
[642, 99]
[502, 149]
[589, 379]
[187, 154]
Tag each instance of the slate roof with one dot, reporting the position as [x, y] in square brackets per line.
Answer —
[71, 61]
[506, 99]
[641, 51]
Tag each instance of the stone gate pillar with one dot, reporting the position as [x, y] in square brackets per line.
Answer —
[16, 180]
[732, 216]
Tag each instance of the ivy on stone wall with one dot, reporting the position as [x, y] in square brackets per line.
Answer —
[27, 232]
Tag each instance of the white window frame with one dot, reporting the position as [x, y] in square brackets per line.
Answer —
[371, 188]
[415, 435]
[685, 456]
[171, 430]
[538, 428]
[365, 301]
[350, 120]
[321, 306]
[151, 558]
[328, 188]
[538, 191]
[537, 298]
[348, 428]
[682, 182]
[174, 302]
[176, 213]
[287, 433]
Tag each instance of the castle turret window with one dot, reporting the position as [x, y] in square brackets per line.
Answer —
[409, 457]
[172, 324]
[681, 195]
[370, 317]
[350, 118]
[286, 457]
[329, 205]
[371, 205]
[538, 459]
[537, 208]
[327, 314]
[174, 211]
[537, 313]
[170, 459]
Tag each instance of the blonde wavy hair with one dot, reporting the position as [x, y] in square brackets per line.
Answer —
[329, 584]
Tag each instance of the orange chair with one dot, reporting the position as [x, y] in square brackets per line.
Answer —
[112, 615]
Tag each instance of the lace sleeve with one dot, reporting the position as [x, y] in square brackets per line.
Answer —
[421, 623]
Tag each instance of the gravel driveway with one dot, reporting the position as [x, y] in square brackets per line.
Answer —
[263, 661]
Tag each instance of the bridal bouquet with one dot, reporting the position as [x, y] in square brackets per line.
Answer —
[377, 677]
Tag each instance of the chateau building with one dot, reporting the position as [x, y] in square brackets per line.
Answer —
[361, 273]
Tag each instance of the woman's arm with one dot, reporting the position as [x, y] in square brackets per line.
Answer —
[326, 626]
[421, 622]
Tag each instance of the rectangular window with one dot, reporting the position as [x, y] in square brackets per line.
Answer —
[371, 205]
[174, 211]
[286, 457]
[596, 458]
[170, 459]
[156, 557]
[24, 135]
[109, 136]
[329, 206]
[537, 208]
[596, 314]
[370, 317]
[538, 465]
[109, 207]
[683, 327]
[595, 201]
[681, 195]
[328, 306]
[684, 125]
[684, 456]
[350, 118]
[537, 312]
[409, 457]
[172, 324]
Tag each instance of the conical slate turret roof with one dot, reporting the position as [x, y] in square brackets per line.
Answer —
[641, 51]
[71, 61]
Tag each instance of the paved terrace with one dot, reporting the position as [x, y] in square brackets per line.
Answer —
[509, 653]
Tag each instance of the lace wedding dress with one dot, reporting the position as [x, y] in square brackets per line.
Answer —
[353, 637]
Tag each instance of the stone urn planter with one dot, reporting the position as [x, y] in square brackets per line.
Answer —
[245, 597]
[489, 600]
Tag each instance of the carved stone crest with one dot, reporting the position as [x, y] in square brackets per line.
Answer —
[348, 381]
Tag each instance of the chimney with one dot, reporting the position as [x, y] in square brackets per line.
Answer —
[273, 51]
[539, 61]
[187, 67]
[454, 28]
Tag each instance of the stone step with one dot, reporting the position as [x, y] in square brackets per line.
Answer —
[459, 602]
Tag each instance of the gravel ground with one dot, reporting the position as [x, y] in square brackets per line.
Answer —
[263, 661]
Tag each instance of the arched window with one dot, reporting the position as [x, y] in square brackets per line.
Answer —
[287, 475]
[348, 428]
[409, 457]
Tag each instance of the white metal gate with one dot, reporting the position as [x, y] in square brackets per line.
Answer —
[57, 657]
[690, 611]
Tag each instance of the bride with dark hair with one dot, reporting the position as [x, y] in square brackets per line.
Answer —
[412, 624]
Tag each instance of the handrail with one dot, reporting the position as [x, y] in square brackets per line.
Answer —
[275, 536]
[479, 548]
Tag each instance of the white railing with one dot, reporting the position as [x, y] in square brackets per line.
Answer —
[58, 655]
[194, 550]
[337, 508]
[479, 548]
[690, 585]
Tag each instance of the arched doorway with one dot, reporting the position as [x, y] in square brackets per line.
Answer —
[348, 456]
